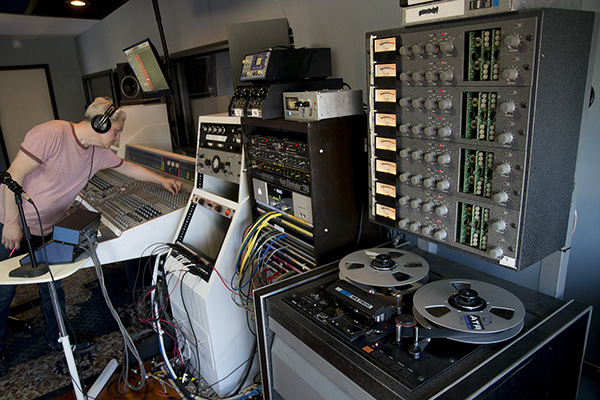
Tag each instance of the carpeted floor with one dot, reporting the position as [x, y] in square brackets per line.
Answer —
[35, 371]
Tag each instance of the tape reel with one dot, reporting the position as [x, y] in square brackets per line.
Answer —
[384, 267]
[470, 307]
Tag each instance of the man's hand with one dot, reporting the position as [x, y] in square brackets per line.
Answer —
[11, 236]
[172, 185]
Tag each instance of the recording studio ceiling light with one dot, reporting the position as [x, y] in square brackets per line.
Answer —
[78, 3]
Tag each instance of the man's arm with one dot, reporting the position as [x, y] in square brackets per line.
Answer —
[140, 173]
[22, 166]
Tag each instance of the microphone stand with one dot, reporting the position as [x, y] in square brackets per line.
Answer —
[31, 269]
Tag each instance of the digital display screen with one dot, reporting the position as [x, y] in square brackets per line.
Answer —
[145, 63]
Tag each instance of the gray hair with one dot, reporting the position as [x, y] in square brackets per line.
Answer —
[99, 107]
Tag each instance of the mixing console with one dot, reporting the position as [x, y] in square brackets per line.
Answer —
[125, 202]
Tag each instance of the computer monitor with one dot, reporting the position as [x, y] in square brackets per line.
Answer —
[146, 64]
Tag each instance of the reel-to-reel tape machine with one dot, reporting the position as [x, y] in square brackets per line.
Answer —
[397, 324]
[463, 310]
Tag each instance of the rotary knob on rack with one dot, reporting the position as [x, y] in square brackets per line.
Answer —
[417, 103]
[500, 197]
[405, 51]
[506, 137]
[405, 128]
[446, 75]
[405, 153]
[416, 203]
[418, 49]
[430, 157]
[416, 155]
[430, 131]
[404, 200]
[404, 177]
[403, 223]
[429, 182]
[510, 74]
[503, 169]
[499, 225]
[440, 234]
[416, 179]
[405, 76]
[444, 131]
[443, 185]
[508, 107]
[432, 76]
[431, 104]
[432, 47]
[404, 102]
[496, 252]
[441, 210]
[445, 104]
[427, 230]
[512, 41]
[446, 46]
[418, 76]
[444, 159]
[417, 129]
[428, 206]
[415, 226]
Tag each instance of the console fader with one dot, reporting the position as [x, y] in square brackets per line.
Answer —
[474, 127]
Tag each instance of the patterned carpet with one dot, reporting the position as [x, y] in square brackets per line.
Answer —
[36, 372]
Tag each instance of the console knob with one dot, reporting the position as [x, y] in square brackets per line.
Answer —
[405, 51]
[512, 41]
[496, 252]
[431, 76]
[417, 129]
[500, 197]
[444, 159]
[404, 177]
[508, 107]
[441, 210]
[430, 157]
[417, 103]
[503, 169]
[432, 48]
[418, 49]
[417, 154]
[416, 179]
[405, 76]
[510, 74]
[404, 128]
[415, 226]
[418, 76]
[430, 131]
[429, 182]
[404, 102]
[506, 138]
[499, 225]
[403, 223]
[446, 46]
[405, 153]
[445, 104]
[404, 200]
[440, 234]
[426, 230]
[443, 185]
[428, 207]
[446, 75]
[444, 131]
[431, 104]
[416, 203]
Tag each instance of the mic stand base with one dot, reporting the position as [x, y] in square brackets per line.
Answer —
[28, 271]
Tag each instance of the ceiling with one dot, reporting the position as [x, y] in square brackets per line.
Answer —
[95, 9]
[52, 17]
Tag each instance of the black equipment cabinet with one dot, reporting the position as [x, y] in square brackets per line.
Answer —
[322, 166]
[301, 358]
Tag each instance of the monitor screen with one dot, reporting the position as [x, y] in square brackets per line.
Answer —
[145, 63]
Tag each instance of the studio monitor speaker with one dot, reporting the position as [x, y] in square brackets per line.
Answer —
[129, 87]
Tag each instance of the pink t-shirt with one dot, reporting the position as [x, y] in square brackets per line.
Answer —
[65, 167]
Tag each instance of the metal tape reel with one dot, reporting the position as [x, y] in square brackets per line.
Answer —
[469, 306]
[383, 267]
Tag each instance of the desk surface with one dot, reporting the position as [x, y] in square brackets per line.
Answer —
[59, 271]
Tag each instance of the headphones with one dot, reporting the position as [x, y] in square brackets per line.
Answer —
[101, 123]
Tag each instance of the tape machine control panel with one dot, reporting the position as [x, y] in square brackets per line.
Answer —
[464, 136]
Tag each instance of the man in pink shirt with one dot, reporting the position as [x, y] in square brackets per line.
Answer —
[54, 162]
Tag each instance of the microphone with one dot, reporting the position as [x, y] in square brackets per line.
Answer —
[13, 186]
